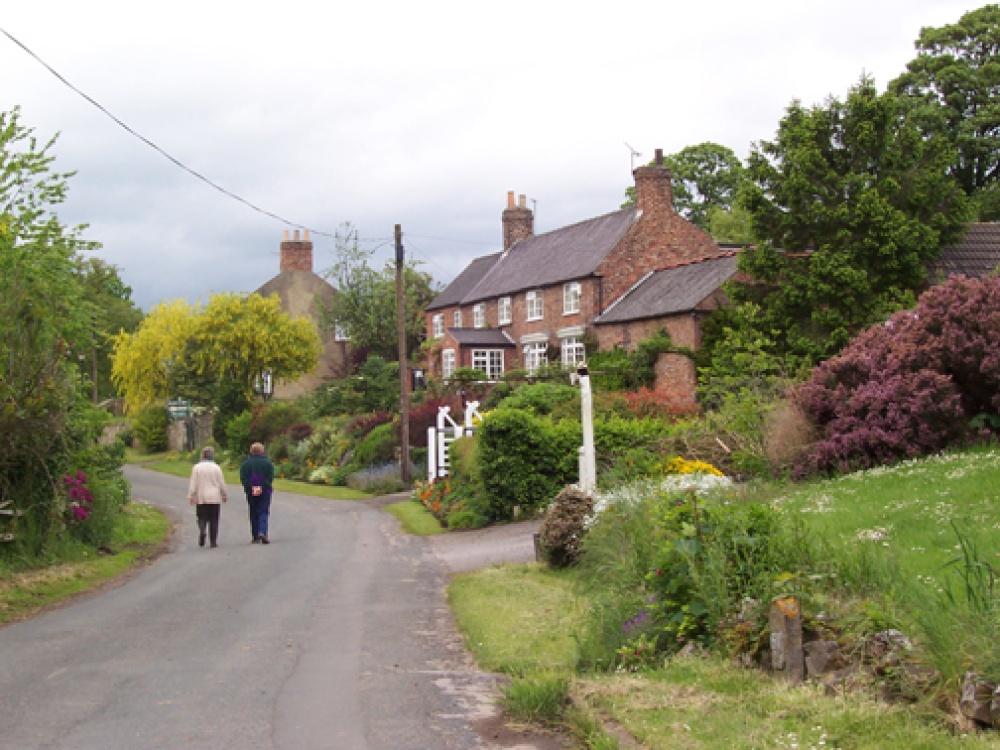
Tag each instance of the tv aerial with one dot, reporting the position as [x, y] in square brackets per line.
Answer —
[635, 154]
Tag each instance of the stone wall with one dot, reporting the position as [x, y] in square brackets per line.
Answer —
[191, 433]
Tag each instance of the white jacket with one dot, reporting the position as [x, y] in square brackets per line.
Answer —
[207, 485]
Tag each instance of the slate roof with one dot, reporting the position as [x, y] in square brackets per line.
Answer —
[456, 291]
[977, 255]
[571, 252]
[669, 291]
[480, 337]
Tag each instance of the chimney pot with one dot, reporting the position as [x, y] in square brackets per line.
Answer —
[510, 199]
[522, 201]
[285, 236]
[295, 234]
[659, 157]
[305, 235]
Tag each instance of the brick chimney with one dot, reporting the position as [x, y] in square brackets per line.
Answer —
[518, 221]
[653, 189]
[297, 254]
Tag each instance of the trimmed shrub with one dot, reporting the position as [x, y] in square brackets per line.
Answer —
[524, 460]
[561, 533]
[150, 428]
[378, 447]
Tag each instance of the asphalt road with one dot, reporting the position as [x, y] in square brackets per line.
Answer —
[336, 635]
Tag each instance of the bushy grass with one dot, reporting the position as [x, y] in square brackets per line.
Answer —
[25, 589]
[910, 546]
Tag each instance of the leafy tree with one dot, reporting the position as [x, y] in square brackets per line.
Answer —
[43, 424]
[212, 355]
[238, 337]
[705, 177]
[366, 304]
[112, 311]
[144, 361]
[852, 200]
[956, 80]
[733, 226]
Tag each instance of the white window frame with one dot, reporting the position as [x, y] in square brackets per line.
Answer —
[437, 326]
[503, 311]
[479, 315]
[489, 361]
[447, 363]
[536, 355]
[572, 292]
[340, 332]
[573, 351]
[457, 318]
[534, 305]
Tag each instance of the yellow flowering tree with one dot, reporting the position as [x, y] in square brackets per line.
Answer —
[142, 362]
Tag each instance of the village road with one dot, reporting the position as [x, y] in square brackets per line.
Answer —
[336, 635]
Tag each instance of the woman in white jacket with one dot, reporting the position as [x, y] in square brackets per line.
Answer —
[207, 492]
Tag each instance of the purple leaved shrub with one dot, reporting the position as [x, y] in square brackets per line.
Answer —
[908, 387]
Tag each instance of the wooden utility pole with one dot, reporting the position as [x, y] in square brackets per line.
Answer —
[404, 370]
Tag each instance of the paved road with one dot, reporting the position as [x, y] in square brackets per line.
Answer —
[336, 635]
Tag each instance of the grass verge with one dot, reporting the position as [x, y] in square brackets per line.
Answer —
[415, 518]
[24, 592]
[181, 468]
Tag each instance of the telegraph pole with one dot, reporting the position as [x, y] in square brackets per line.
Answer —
[404, 370]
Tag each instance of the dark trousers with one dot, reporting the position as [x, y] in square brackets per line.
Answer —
[260, 512]
[208, 514]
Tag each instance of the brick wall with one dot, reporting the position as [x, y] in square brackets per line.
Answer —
[676, 376]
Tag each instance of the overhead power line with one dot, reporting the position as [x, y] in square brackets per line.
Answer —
[194, 173]
[156, 148]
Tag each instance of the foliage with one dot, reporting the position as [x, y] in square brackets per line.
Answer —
[542, 398]
[379, 480]
[705, 178]
[143, 361]
[619, 370]
[374, 387]
[733, 226]
[909, 387]
[150, 428]
[564, 526]
[214, 353]
[852, 201]
[955, 80]
[366, 301]
[524, 460]
[377, 447]
[238, 432]
[110, 305]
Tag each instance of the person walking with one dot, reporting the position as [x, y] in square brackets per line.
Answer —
[207, 492]
[257, 478]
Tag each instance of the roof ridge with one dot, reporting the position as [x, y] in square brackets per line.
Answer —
[682, 263]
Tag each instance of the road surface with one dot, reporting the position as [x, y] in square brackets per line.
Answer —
[336, 635]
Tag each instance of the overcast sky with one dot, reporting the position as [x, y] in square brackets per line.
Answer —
[422, 114]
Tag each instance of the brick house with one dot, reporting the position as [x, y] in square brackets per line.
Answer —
[615, 280]
[301, 290]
